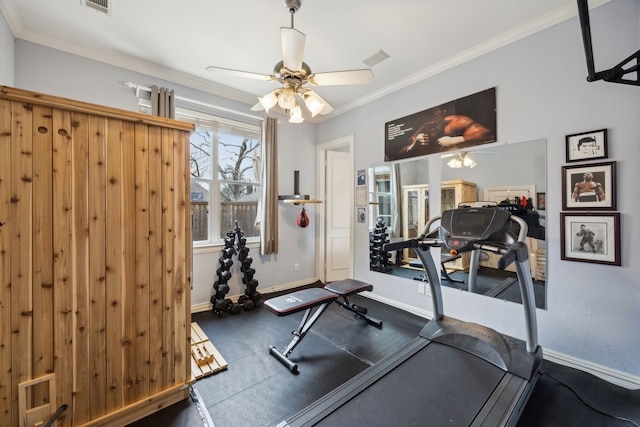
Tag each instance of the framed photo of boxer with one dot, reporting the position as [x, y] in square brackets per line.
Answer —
[589, 187]
[590, 237]
[587, 146]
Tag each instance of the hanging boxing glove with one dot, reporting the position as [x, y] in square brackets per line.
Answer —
[303, 219]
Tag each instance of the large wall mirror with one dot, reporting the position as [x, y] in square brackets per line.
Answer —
[399, 208]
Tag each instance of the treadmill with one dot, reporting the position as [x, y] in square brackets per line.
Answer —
[454, 373]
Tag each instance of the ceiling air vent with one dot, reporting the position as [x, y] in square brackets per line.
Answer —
[376, 58]
[99, 5]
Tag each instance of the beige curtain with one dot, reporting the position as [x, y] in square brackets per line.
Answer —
[162, 102]
[269, 220]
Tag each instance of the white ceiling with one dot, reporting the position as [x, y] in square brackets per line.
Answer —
[177, 40]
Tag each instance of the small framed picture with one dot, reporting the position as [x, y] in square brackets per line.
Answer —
[541, 201]
[587, 146]
[589, 187]
[361, 177]
[590, 237]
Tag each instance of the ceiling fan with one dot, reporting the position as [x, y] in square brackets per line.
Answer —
[293, 74]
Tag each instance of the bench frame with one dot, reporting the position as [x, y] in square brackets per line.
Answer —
[332, 292]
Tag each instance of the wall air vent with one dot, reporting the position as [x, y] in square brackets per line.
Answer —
[99, 5]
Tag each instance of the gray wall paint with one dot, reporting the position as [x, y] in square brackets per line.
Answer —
[541, 94]
[7, 53]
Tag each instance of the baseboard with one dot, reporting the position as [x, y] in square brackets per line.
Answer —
[207, 306]
[409, 308]
[611, 375]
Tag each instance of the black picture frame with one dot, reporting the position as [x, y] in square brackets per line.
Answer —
[598, 193]
[590, 237]
[587, 146]
[541, 201]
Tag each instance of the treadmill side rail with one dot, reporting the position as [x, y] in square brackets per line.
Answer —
[506, 403]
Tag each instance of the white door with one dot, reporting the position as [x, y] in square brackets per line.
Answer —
[339, 177]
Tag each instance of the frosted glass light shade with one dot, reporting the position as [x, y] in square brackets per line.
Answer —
[287, 99]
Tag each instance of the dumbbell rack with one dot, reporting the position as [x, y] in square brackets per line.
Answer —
[221, 304]
[379, 259]
[251, 297]
[235, 243]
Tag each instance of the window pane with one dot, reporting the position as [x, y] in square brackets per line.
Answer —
[239, 202]
[200, 199]
[225, 162]
[200, 153]
[237, 156]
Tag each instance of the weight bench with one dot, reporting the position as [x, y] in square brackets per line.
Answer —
[318, 298]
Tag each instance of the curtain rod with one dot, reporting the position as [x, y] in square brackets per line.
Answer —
[138, 88]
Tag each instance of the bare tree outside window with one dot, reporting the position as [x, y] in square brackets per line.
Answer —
[235, 167]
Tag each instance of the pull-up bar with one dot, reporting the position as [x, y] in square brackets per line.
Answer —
[615, 74]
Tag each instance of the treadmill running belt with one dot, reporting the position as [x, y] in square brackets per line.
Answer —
[438, 386]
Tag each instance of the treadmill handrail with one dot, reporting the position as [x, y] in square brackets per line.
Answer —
[423, 243]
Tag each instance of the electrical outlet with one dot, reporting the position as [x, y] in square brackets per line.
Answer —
[296, 267]
[422, 288]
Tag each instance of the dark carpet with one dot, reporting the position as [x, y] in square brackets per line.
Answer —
[256, 390]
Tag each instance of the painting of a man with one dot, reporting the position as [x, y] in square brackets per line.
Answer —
[458, 124]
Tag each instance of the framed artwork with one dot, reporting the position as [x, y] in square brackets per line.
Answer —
[541, 201]
[454, 125]
[590, 237]
[587, 146]
[361, 177]
[589, 187]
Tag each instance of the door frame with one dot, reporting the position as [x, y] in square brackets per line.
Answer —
[345, 144]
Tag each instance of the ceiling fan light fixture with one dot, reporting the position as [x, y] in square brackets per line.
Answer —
[295, 114]
[287, 99]
[455, 163]
[293, 74]
[468, 162]
[269, 101]
[313, 104]
[462, 160]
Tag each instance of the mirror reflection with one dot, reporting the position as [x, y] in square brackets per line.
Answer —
[512, 175]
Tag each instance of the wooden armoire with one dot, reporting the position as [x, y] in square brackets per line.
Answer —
[95, 255]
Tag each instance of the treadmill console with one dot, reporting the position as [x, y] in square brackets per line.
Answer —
[460, 228]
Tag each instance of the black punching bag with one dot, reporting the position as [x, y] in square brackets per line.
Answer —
[303, 219]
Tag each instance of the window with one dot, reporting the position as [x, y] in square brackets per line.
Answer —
[380, 195]
[225, 161]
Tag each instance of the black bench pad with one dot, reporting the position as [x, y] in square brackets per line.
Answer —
[285, 305]
[348, 287]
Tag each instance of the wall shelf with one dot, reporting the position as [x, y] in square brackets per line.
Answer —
[298, 199]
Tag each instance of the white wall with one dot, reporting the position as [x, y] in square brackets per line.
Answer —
[593, 310]
[7, 53]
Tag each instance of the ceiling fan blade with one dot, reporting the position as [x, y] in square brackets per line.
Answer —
[327, 107]
[239, 73]
[292, 48]
[351, 77]
[257, 107]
